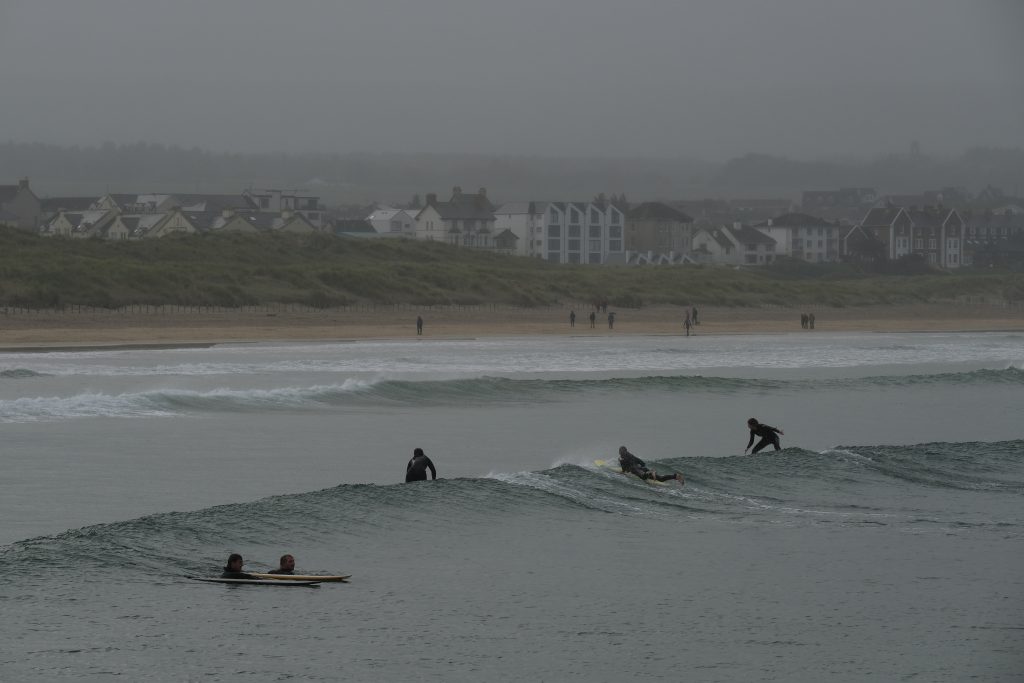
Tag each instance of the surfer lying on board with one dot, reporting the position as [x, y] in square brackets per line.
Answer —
[769, 435]
[233, 569]
[634, 465]
[416, 470]
[286, 566]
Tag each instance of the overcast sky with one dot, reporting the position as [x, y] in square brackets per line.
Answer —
[700, 78]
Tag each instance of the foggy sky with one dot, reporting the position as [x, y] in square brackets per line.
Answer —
[707, 79]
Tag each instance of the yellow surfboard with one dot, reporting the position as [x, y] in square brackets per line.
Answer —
[301, 577]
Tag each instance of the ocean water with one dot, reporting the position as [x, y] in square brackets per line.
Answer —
[884, 542]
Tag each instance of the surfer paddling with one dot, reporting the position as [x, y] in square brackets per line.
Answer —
[769, 435]
[634, 465]
[233, 569]
[285, 566]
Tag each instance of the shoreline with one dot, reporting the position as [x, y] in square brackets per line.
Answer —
[53, 331]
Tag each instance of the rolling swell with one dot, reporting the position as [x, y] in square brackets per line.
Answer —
[982, 487]
[468, 391]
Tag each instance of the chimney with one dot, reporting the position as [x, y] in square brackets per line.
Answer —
[483, 192]
[456, 192]
[23, 184]
[769, 222]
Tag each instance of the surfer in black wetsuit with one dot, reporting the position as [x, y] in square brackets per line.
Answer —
[634, 465]
[233, 569]
[416, 470]
[286, 565]
[769, 435]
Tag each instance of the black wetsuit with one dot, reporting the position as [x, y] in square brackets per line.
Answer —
[417, 469]
[769, 435]
[228, 574]
[634, 465]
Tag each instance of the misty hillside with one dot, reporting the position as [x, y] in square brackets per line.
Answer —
[395, 178]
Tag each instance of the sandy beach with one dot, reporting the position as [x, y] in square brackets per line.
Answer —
[52, 330]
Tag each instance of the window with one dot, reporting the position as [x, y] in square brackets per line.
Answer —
[574, 217]
[595, 217]
[574, 245]
[931, 243]
[616, 218]
[554, 244]
[396, 226]
[574, 231]
[554, 215]
[595, 231]
[918, 243]
[615, 245]
[594, 245]
[554, 231]
[264, 202]
[615, 232]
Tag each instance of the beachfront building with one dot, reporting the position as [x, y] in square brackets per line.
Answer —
[803, 237]
[466, 220]
[279, 201]
[738, 244]
[525, 220]
[935, 234]
[388, 222]
[888, 226]
[657, 228]
[583, 232]
[92, 223]
[19, 206]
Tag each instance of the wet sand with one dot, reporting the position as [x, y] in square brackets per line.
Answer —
[53, 330]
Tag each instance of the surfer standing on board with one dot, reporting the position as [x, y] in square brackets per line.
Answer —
[416, 470]
[769, 435]
[634, 465]
[233, 569]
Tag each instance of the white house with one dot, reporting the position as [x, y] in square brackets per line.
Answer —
[803, 236]
[388, 222]
[465, 220]
[735, 245]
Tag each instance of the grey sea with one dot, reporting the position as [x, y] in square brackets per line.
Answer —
[884, 542]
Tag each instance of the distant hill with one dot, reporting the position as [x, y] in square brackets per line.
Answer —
[395, 178]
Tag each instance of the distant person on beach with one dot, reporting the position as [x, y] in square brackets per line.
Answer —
[634, 465]
[417, 468]
[695, 316]
[233, 569]
[769, 435]
[572, 318]
[419, 324]
[810, 320]
[686, 324]
[803, 321]
[593, 319]
[611, 320]
[285, 566]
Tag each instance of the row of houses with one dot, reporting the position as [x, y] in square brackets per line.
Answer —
[594, 232]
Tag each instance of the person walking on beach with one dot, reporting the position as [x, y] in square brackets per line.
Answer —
[417, 468]
[631, 464]
[611, 320]
[593, 319]
[419, 325]
[769, 435]
[572, 318]
[810, 320]
[695, 316]
[686, 324]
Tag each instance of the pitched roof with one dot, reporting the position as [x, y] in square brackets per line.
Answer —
[881, 217]
[212, 202]
[657, 211]
[748, 235]
[50, 204]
